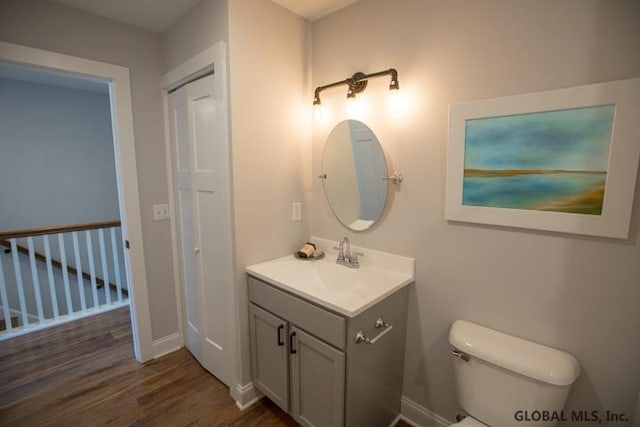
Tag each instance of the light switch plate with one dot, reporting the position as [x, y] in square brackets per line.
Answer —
[160, 212]
[296, 211]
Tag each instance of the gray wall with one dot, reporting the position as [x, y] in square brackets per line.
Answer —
[203, 26]
[576, 293]
[57, 165]
[51, 26]
[270, 131]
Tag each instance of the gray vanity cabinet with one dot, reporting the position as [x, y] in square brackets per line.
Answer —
[315, 371]
[317, 381]
[269, 355]
[306, 359]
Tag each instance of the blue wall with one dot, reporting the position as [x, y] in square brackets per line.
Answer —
[57, 164]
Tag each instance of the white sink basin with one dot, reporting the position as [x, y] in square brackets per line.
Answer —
[347, 291]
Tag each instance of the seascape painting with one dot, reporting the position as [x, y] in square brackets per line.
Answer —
[543, 161]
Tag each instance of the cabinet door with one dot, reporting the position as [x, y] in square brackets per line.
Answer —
[269, 355]
[317, 381]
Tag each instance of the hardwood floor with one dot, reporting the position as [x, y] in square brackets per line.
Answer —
[84, 374]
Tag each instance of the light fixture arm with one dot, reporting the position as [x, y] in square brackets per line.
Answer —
[357, 83]
[316, 97]
[391, 71]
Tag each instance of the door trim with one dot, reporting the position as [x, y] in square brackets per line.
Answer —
[117, 77]
[203, 63]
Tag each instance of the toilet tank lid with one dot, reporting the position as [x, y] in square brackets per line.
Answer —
[515, 354]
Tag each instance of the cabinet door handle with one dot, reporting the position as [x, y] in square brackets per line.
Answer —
[291, 349]
[280, 341]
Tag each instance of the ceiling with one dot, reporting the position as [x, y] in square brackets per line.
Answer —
[151, 15]
[313, 9]
[158, 15]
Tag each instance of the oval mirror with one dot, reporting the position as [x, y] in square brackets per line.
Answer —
[353, 167]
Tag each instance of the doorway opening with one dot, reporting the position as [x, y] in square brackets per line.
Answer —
[126, 235]
[61, 247]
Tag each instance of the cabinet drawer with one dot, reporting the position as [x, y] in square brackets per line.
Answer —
[313, 319]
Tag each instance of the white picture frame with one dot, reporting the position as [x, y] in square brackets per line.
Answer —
[621, 168]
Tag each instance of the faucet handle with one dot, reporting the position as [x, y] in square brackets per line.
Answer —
[353, 260]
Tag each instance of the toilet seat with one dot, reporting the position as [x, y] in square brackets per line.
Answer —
[469, 422]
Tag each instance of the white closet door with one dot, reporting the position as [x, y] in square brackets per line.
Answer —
[202, 189]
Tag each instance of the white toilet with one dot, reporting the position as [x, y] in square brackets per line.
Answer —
[504, 381]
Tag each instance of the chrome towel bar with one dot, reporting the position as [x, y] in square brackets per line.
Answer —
[380, 323]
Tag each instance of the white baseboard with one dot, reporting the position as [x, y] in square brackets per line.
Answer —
[419, 416]
[245, 395]
[166, 345]
[398, 418]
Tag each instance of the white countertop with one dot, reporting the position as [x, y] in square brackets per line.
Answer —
[344, 290]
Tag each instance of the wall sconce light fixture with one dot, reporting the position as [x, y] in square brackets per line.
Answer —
[358, 83]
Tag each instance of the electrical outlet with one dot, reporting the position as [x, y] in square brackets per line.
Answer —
[160, 212]
[296, 211]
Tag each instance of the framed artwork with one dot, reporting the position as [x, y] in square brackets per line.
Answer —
[563, 160]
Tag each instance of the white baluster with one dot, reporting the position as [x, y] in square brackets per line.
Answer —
[35, 301]
[76, 251]
[16, 267]
[92, 269]
[65, 272]
[116, 263]
[5, 301]
[105, 269]
[52, 283]
[35, 279]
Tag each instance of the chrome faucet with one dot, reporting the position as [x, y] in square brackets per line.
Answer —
[345, 256]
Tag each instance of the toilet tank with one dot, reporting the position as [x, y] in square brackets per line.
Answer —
[502, 380]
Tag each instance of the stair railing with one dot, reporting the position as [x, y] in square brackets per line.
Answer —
[44, 279]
